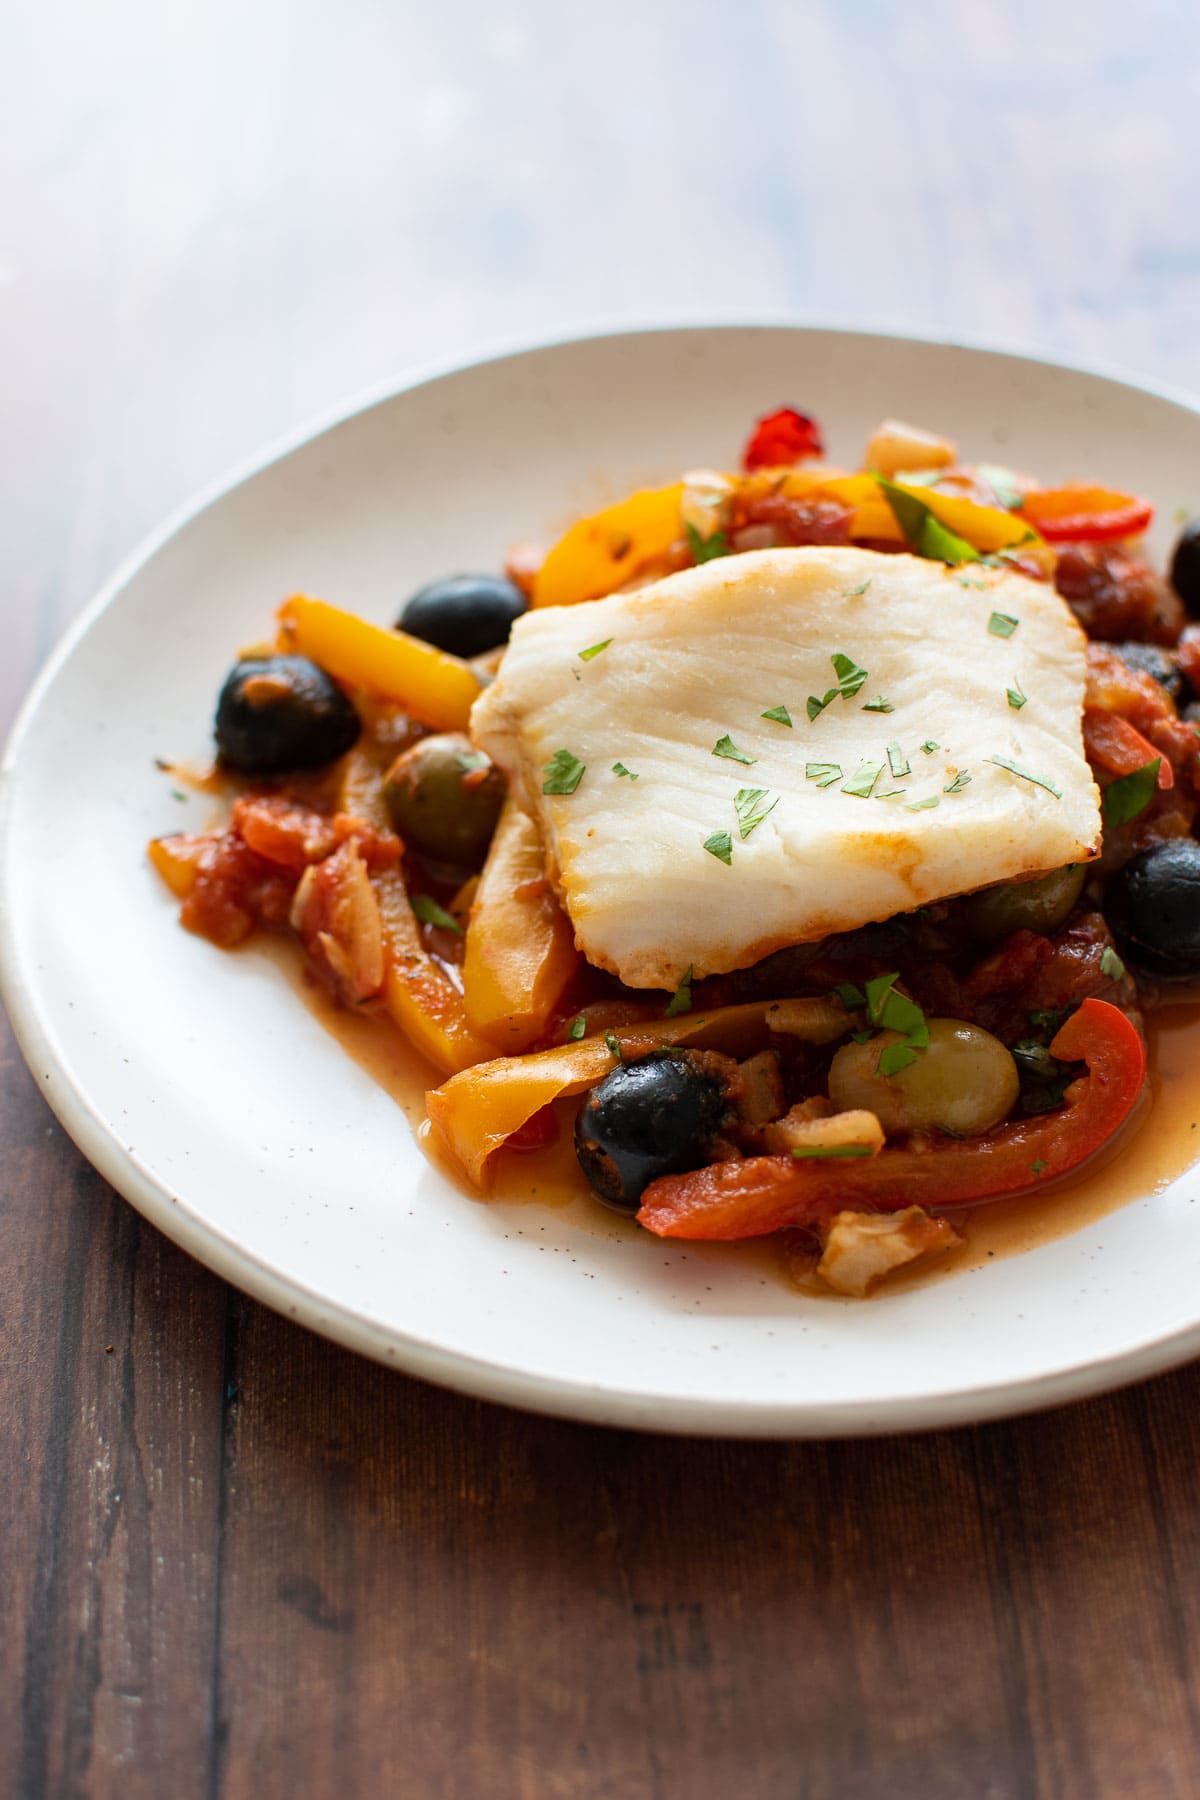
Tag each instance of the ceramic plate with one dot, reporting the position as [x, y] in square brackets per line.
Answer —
[218, 1103]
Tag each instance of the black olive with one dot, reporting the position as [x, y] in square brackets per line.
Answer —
[277, 713]
[1185, 567]
[656, 1116]
[465, 614]
[1151, 659]
[1153, 908]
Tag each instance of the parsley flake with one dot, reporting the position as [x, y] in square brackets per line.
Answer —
[576, 1029]
[890, 794]
[1013, 768]
[817, 707]
[879, 704]
[563, 773]
[748, 805]
[614, 1047]
[929, 746]
[593, 650]
[860, 589]
[898, 763]
[430, 913]
[1038, 1167]
[726, 747]
[1111, 964]
[619, 768]
[924, 805]
[851, 997]
[863, 780]
[705, 549]
[681, 999]
[1016, 698]
[894, 1057]
[961, 780]
[720, 845]
[896, 1012]
[779, 715]
[1002, 624]
[1132, 794]
[850, 676]
[802, 1151]
[824, 774]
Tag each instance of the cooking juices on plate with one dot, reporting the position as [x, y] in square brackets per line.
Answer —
[818, 838]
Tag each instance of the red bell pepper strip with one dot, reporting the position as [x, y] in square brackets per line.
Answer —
[786, 436]
[1083, 514]
[1111, 743]
[760, 1194]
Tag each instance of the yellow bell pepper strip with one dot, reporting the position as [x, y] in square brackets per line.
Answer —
[873, 517]
[418, 994]
[602, 552]
[434, 687]
[520, 951]
[982, 529]
[477, 1111]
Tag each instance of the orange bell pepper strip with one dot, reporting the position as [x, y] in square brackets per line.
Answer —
[520, 951]
[1111, 743]
[605, 550]
[1083, 514]
[873, 517]
[434, 687]
[479, 1110]
[762, 1194]
[418, 994]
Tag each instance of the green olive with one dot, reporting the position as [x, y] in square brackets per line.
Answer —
[1039, 905]
[964, 1082]
[444, 798]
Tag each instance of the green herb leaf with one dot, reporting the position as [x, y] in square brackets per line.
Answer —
[940, 544]
[681, 999]
[816, 707]
[863, 780]
[430, 913]
[922, 531]
[470, 760]
[619, 768]
[705, 549]
[803, 1152]
[879, 704]
[726, 747]
[1013, 768]
[563, 773]
[961, 780]
[890, 794]
[894, 1057]
[779, 715]
[861, 1037]
[1016, 699]
[965, 581]
[850, 676]
[924, 805]
[1132, 794]
[576, 1029]
[593, 650]
[748, 805]
[851, 997]
[860, 589]
[1038, 1167]
[720, 845]
[1003, 484]
[898, 763]
[614, 1047]
[823, 773]
[929, 746]
[1002, 624]
[1048, 1019]
[1111, 964]
[896, 1012]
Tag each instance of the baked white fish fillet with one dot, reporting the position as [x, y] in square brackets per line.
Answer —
[697, 659]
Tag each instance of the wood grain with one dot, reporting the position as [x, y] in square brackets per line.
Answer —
[236, 1560]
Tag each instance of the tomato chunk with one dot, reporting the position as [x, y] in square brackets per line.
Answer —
[786, 436]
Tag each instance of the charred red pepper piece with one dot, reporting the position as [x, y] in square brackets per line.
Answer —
[786, 436]
[1114, 745]
[1085, 514]
[761, 1194]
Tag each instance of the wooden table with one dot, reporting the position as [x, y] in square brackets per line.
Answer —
[237, 1561]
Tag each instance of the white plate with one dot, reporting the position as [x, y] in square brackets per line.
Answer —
[210, 1097]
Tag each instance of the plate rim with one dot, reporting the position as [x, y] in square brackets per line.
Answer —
[481, 1378]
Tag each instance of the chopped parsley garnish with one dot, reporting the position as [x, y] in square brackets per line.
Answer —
[880, 703]
[1003, 485]
[430, 913]
[966, 582]
[779, 715]
[619, 768]
[894, 1057]
[1002, 624]
[705, 549]
[890, 794]
[470, 760]
[961, 780]
[614, 1047]
[576, 1029]
[681, 999]
[817, 707]
[851, 997]
[1016, 698]
[850, 676]
[593, 650]
[891, 1011]
[748, 805]
[1132, 794]
[863, 780]
[800, 1152]
[1111, 964]
[726, 747]
[922, 531]
[563, 773]
[720, 845]
[1038, 1167]
[860, 589]
[924, 805]
[898, 763]
[929, 746]
[824, 774]
[1013, 768]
